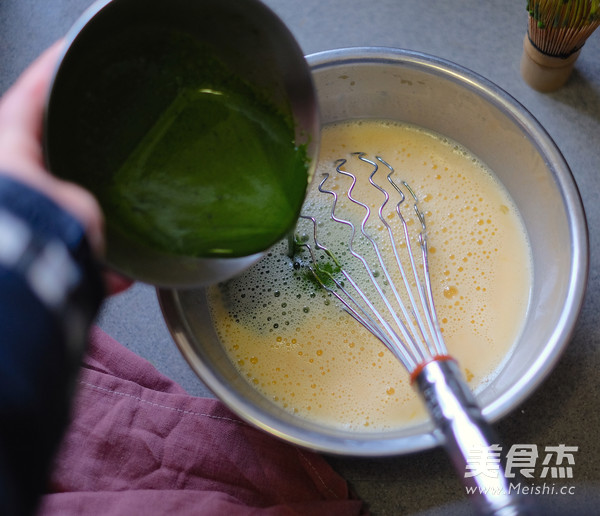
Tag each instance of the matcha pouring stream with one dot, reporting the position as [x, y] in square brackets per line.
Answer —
[193, 161]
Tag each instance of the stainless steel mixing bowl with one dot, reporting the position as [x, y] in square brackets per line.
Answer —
[446, 98]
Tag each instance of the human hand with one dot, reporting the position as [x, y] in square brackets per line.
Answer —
[21, 154]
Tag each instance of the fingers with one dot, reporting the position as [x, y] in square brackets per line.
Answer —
[21, 114]
[21, 155]
[23, 104]
[84, 207]
[115, 283]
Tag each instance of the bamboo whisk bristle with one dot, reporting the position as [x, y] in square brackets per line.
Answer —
[561, 27]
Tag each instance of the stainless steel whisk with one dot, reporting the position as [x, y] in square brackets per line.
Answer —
[403, 317]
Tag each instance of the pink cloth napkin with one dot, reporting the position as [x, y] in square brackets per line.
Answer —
[139, 445]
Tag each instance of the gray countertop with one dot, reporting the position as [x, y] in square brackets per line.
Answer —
[487, 38]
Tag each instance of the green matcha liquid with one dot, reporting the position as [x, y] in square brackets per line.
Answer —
[184, 156]
[215, 175]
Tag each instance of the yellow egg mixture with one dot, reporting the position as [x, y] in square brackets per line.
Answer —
[293, 342]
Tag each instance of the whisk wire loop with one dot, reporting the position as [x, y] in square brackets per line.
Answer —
[433, 339]
[408, 329]
[385, 332]
[406, 325]
[351, 305]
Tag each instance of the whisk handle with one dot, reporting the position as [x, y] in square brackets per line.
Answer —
[467, 435]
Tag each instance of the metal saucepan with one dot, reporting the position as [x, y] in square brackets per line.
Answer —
[111, 60]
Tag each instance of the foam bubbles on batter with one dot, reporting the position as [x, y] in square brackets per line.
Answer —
[289, 338]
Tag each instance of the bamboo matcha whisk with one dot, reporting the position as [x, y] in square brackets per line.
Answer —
[556, 31]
